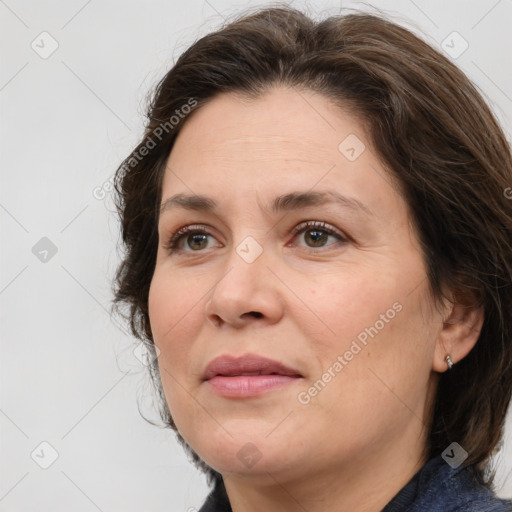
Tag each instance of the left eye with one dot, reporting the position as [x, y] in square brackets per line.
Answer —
[316, 235]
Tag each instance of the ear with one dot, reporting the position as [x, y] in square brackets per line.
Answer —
[460, 331]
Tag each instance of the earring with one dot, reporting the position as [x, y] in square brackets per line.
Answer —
[449, 361]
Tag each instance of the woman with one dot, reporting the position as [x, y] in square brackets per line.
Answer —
[319, 249]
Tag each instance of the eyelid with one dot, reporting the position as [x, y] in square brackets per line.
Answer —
[321, 225]
[171, 245]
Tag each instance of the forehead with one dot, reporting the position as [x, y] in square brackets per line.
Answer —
[283, 122]
[284, 140]
[282, 125]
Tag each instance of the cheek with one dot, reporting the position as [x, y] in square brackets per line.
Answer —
[374, 322]
[161, 307]
[384, 368]
[172, 306]
[380, 299]
[170, 301]
[173, 309]
[349, 303]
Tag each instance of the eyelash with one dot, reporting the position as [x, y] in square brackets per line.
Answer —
[174, 239]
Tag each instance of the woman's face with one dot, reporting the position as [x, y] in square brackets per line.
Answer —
[342, 301]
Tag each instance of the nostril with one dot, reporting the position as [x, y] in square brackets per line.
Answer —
[255, 314]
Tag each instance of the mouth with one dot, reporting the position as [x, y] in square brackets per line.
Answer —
[249, 375]
[247, 365]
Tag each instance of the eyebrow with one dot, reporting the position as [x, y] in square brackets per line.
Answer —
[285, 202]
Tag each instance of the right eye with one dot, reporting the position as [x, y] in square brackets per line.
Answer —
[195, 236]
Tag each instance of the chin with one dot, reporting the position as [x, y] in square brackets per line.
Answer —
[247, 453]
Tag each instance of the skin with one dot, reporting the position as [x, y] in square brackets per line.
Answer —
[361, 438]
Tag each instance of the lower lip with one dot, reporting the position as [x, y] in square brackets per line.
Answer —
[242, 386]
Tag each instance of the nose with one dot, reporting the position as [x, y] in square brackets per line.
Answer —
[245, 293]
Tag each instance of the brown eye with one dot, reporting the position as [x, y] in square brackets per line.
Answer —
[316, 237]
[316, 234]
[188, 239]
[197, 241]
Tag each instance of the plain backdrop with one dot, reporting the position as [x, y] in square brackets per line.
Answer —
[74, 78]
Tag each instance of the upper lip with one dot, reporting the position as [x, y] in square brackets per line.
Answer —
[229, 365]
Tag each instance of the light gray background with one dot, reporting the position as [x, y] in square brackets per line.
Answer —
[69, 376]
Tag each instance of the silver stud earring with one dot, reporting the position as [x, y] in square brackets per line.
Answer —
[449, 362]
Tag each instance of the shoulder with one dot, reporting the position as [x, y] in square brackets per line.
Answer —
[439, 487]
[496, 505]
[468, 494]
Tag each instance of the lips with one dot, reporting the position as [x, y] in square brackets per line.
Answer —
[249, 364]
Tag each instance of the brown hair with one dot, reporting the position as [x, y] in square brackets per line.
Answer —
[429, 126]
